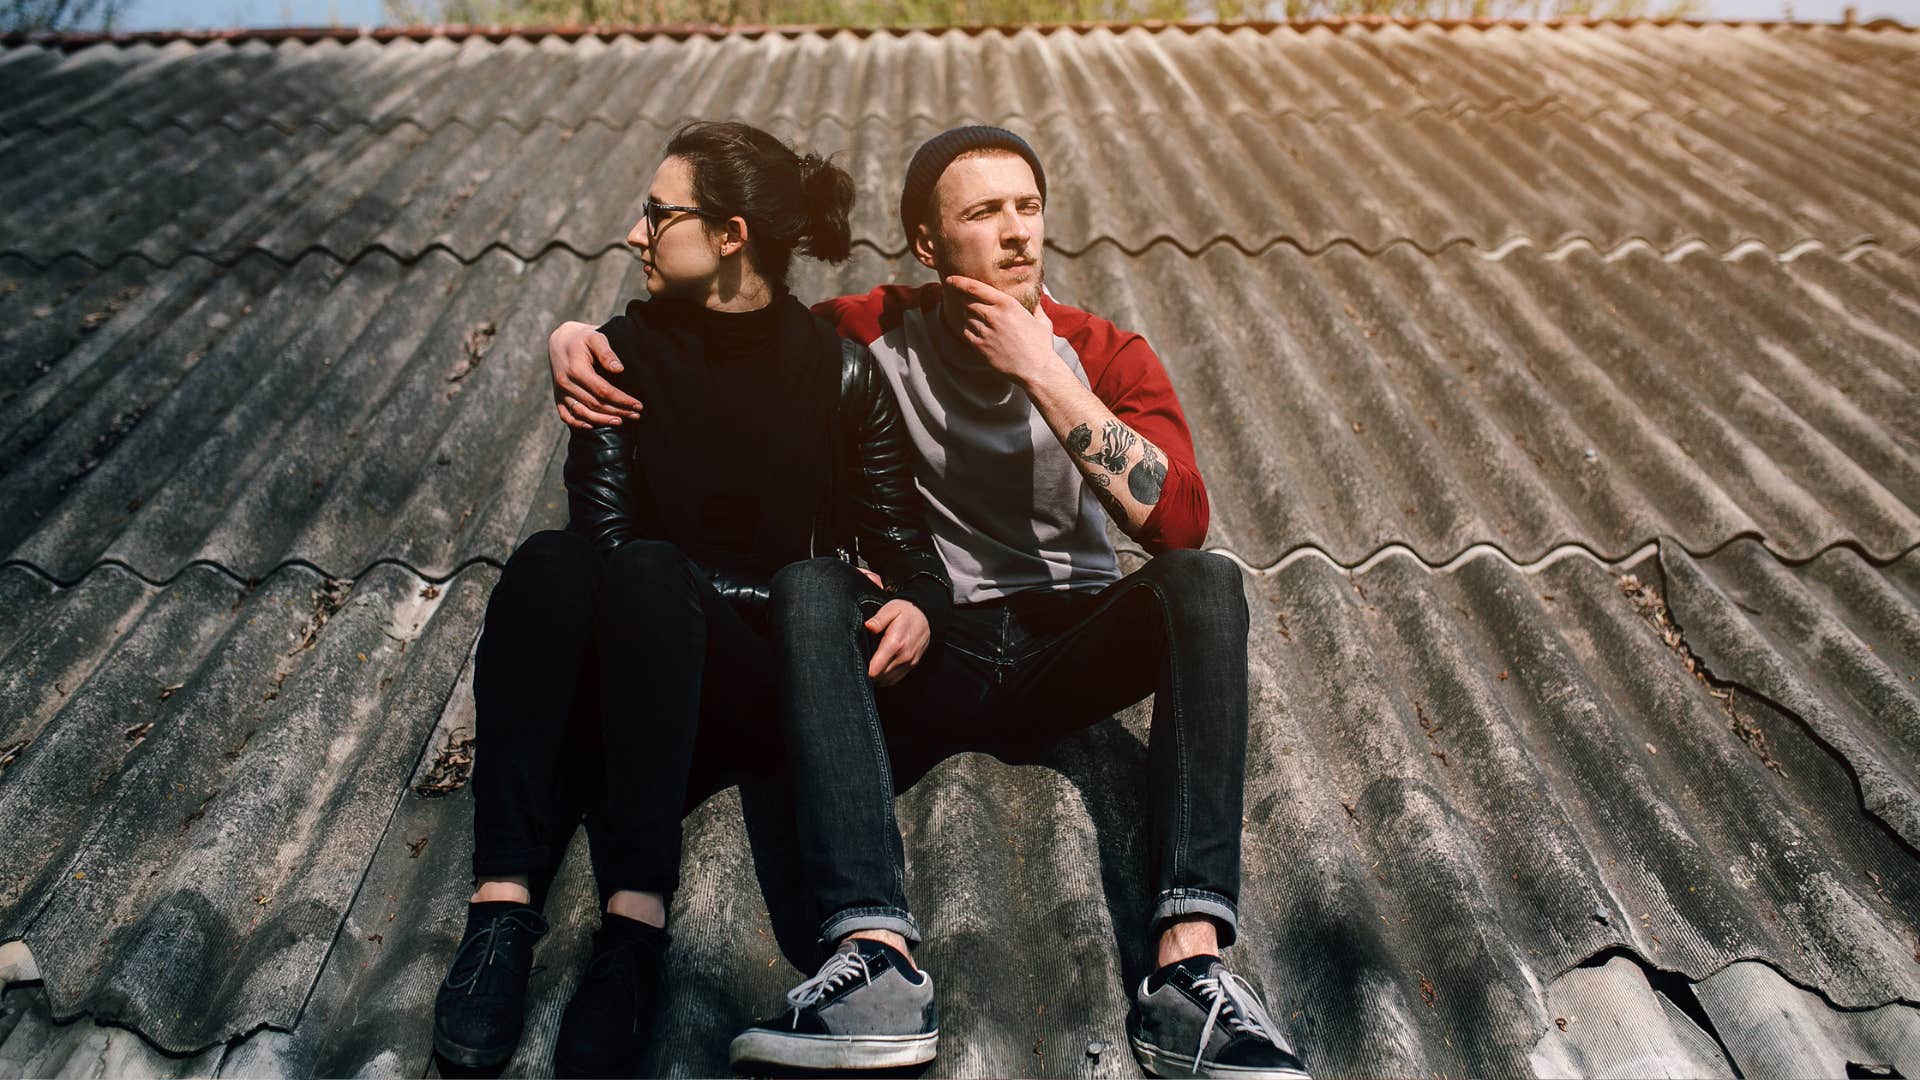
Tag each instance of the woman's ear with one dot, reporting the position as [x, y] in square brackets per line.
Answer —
[734, 236]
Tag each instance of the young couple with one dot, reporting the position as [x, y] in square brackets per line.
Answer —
[702, 616]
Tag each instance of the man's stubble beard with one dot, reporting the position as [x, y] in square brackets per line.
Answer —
[1029, 298]
[1029, 295]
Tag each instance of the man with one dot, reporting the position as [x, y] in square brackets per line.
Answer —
[1032, 423]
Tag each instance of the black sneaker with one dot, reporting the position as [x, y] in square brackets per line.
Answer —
[867, 1008]
[604, 1030]
[482, 1003]
[1196, 1018]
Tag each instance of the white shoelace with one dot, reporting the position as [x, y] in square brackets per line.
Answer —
[1234, 999]
[838, 971]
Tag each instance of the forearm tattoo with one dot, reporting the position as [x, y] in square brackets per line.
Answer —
[1103, 490]
[1148, 477]
[1115, 441]
[1145, 479]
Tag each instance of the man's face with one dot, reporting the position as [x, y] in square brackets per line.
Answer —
[986, 223]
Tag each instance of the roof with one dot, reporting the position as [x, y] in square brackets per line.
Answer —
[1555, 387]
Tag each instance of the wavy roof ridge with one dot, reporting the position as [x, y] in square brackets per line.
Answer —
[1557, 251]
[1471, 552]
[384, 34]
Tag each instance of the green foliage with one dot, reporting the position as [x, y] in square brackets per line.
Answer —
[58, 15]
[861, 13]
[933, 13]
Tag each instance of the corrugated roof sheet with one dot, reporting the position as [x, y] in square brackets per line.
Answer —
[1610, 1010]
[1469, 323]
[275, 413]
[1418, 137]
[210, 779]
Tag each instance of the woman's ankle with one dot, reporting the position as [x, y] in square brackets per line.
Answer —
[646, 907]
[510, 889]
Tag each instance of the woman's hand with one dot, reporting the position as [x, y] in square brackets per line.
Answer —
[904, 634]
[584, 399]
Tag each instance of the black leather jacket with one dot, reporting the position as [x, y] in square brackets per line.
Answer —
[872, 508]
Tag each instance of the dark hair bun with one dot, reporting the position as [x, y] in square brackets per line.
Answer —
[827, 191]
[789, 202]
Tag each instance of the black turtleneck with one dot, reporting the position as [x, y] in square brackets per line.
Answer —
[733, 458]
[733, 393]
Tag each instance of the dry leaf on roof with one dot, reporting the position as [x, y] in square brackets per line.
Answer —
[479, 341]
[450, 768]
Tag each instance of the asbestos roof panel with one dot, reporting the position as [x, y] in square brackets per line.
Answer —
[1430, 181]
[1346, 402]
[335, 415]
[208, 768]
[1748, 1001]
[1608, 1021]
[1463, 784]
[1833, 641]
[476, 132]
[1810, 69]
[32, 1044]
[1435, 301]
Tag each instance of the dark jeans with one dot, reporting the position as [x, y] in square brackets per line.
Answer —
[1032, 666]
[621, 687]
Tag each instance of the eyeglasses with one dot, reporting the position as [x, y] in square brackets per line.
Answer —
[656, 212]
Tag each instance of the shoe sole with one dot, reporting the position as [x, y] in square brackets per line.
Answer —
[471, 1057]
[1165, 1063]
[833, 1051]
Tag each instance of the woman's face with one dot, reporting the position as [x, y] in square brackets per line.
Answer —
[683, 255]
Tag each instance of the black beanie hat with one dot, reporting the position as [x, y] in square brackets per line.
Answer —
[937, 153]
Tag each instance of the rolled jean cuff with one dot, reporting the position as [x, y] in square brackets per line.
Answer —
[1177, 903]
[891, 919]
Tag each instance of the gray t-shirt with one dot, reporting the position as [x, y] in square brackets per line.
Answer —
[1009, 510]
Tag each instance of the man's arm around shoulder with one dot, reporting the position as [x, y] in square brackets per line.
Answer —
[577, 353]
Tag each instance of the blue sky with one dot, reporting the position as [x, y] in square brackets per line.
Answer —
[206, 14]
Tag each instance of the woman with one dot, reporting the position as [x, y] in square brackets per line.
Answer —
[624, 670]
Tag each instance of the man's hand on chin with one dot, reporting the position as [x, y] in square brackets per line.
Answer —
[1013, 341]
[577, 353]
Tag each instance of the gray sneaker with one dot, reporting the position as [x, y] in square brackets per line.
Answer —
[1196, 1018]
[866, 1009]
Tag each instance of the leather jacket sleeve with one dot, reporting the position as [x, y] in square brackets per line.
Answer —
[889, 516]
[599, 475]
[600, 494]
